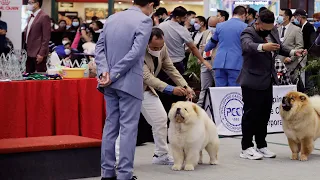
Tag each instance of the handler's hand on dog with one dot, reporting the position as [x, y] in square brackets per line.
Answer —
[104, 80]
[180, 91]
[270, 47]
[190, 92]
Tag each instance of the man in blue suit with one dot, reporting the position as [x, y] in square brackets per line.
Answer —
[120, 54]
[228, 61]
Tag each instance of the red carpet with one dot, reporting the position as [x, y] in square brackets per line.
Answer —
[45, 143]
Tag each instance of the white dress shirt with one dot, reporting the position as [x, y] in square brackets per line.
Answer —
[30, 23]
[303, 25]
[285, 31]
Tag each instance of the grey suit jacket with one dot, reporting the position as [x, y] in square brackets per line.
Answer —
[121, 48]
[293, 39]
[258, 67]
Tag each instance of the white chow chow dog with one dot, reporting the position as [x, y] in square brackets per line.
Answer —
[190, 131]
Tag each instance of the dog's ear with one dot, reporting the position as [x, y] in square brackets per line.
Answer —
[172, 104]
[195, 108]
[303, 98]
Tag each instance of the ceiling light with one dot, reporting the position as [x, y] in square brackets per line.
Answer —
[119, 2]
[180, 1]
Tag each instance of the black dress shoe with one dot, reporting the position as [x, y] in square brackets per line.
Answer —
[113, 178]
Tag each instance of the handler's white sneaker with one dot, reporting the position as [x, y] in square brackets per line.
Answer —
[251, 154]
[265, 152]
[164, 159]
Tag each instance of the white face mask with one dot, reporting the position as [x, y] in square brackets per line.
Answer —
[192, 21]
[212, 29]
[154, 53]
[30, 7]
[67, 51]
[64, 42]
[196, 26]
[75, 24]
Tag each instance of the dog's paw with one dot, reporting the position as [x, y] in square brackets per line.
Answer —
[188, 167]
[176, 167]
[200, 161]
[214, 162]
[295, 156]
[303, 157]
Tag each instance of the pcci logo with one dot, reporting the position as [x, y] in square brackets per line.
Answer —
[231, 111]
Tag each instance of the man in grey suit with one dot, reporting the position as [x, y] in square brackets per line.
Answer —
[120, 54]
[260, 44]
[290, 37]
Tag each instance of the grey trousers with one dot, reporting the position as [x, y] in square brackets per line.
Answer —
[207, 79]
[123, 110]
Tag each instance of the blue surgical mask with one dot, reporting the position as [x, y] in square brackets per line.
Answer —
[280, 19]
[192, 21]
[212, 29]
[316, 25]
[75, 24]
[296, 21]
[197, 26]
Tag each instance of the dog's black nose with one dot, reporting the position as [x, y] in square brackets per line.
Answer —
[284, 100]
[178, 110]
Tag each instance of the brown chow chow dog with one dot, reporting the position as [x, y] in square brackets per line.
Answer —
[301, 123]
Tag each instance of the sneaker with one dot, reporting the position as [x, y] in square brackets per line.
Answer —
[251, 154]
[164, 159]
[265, 152]
[134, 178]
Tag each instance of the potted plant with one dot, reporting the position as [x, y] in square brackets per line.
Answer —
[192, 74]
[314, 67]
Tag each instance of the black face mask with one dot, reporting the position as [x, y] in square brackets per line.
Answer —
[160, 20]
[264, 33]
[246, 21]
[181, 23]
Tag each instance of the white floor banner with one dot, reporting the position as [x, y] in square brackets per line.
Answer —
[226, 106]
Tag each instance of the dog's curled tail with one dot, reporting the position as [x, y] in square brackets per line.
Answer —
[315, 101]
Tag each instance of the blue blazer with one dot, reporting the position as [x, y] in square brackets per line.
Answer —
[121, 48]
[229, 53]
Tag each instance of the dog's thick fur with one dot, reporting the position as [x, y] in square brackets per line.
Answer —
[301, 123]
[190, 131]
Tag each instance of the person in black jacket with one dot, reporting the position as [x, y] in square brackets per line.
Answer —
[309, 33]
[308, 30]
[259, 42]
